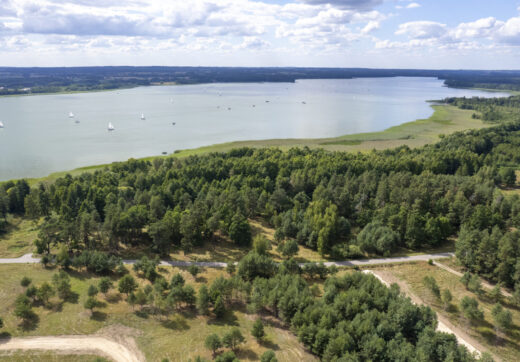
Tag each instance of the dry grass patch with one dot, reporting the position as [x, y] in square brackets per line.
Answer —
[19, 238]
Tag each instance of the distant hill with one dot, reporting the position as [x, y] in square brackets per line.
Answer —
[52, 80]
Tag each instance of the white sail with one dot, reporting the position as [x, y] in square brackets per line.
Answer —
[143, 117]
[71, 115]
[1, 124]
[110, 126]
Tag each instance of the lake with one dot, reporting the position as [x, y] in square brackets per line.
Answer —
[39, 137]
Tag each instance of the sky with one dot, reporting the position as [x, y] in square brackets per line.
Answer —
[433, 34]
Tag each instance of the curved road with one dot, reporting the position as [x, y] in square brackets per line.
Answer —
[28, 258]
[73, 344]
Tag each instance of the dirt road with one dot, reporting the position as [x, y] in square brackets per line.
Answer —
[74, 344]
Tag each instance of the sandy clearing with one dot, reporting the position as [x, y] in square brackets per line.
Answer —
[73, 344]
[444, 325]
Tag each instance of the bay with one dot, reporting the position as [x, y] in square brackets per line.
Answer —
[39, 137]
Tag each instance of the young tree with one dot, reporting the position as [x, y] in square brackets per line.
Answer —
[23, 309]
[45, 292]
[240, 231]
[502, 318]
[219, 309]
[233, 339]
[496, 294]
[25, 281]
[261, 244]
[92, 291]
[194, 270]
[140, 298]
[203, 300]
[289, 248]
[127, 285]
[31, 292]
[231, 268]
[104, 285]
[62, 285]
[227, 356]
[91, 303]
[131, 299]
[432, 285]
[446, 299]
[213, 343]
[470, 310]
[177, 281]
[268, 356]
[465, 279]
[258, 329]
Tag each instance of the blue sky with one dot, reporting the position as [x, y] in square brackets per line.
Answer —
[477, 34]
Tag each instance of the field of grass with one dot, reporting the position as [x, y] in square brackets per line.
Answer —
[179, 336]
[507, 348]
[19, 238]
[48, 357]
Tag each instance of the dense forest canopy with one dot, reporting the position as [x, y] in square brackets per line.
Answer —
[41, 80]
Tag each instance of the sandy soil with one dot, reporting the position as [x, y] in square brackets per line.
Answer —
[75, 344]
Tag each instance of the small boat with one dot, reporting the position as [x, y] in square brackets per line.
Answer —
[173, 123]
[164, 152]
[254, 106]
[1, 124]
[229, 108]
[142, 117]
[266, 101]
[110, 126]
[71, 115]
[303, 102]
[76, 121]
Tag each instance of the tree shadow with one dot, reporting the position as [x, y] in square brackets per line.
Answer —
[113, 298]
[98, 316]
[30, 324]
[73, 298]
[5, 337]
[178, 324]
[142, 314]
[268, 344]
[229, 319]
[201, 279]
[246, 354]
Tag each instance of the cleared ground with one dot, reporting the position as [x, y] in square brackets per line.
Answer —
[25, 356]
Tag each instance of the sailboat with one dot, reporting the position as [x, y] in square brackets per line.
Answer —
[1, 124]
[110, 126]
[71, 115]
[142, 117]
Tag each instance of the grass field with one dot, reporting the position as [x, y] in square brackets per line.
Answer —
[178, 337]
[507, 348]
[19, 238]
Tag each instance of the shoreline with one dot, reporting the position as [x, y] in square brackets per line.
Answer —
[446, 119]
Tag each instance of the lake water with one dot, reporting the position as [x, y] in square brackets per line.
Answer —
[40, 138]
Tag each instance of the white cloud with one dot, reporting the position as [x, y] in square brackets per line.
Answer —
[422, 29]
[413, 6]
[371, 26]
[347, 4]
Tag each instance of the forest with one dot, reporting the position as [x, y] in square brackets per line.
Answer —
[70, 79]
